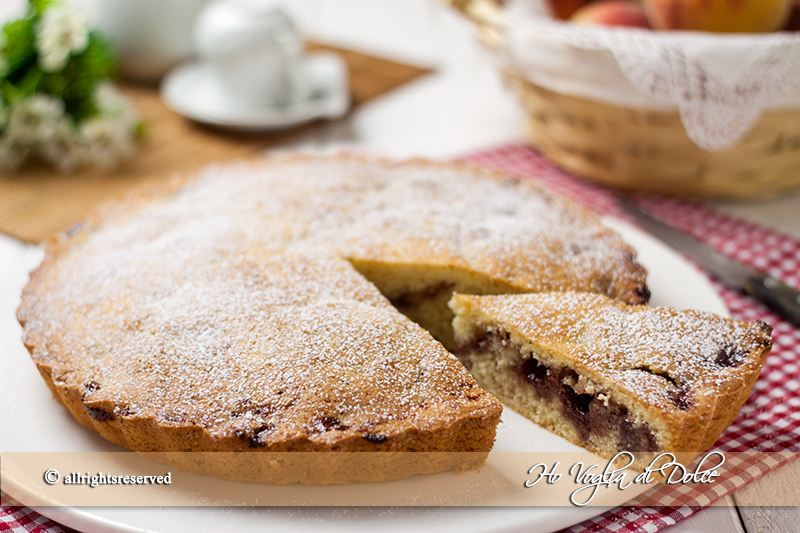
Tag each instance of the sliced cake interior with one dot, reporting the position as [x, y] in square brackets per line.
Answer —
[608, 376]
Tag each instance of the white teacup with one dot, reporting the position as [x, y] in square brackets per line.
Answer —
[255, 50]
[150, 36]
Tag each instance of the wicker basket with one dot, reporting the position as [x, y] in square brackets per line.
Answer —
[643, 149]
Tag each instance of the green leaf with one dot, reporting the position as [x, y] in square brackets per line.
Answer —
[20, 48]
[37, 7]
[30, 82]
[10, 92]
[76, 81]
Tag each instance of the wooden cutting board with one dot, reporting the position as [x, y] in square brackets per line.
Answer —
[38, 202]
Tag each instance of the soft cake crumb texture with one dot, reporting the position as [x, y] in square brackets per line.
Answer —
[649, 352]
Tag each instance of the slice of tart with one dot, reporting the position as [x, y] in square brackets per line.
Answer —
[608, 376]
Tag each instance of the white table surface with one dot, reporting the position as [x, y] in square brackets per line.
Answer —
[462, 108]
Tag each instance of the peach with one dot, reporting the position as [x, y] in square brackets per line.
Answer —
[735, 16]
[564, 9]
[612, 13]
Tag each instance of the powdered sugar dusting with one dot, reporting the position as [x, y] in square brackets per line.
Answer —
[666, 356]
[230, 305]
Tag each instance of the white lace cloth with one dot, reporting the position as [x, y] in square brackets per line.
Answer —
[719, 83]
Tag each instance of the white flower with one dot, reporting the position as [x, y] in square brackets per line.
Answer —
[110, 137]
[38, 125]
[108, 141]
[110, 103]
[64, 149]
[62, 30]
[34, 119]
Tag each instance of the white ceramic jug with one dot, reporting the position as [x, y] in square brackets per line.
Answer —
[150, 36]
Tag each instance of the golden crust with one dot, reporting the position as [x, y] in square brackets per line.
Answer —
[683, 374]
[223, 312]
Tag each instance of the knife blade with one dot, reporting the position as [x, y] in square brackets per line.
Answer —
[764, 287]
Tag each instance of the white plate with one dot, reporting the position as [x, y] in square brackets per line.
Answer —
[193, 91]
[42, 425]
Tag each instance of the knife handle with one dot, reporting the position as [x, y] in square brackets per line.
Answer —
[777, 295]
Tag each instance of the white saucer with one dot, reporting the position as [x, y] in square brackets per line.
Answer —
[193, 90]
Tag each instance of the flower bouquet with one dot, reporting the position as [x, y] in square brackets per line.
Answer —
[57, 101]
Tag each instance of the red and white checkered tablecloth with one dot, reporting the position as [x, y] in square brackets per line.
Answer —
[17, 518]
[768, 422]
